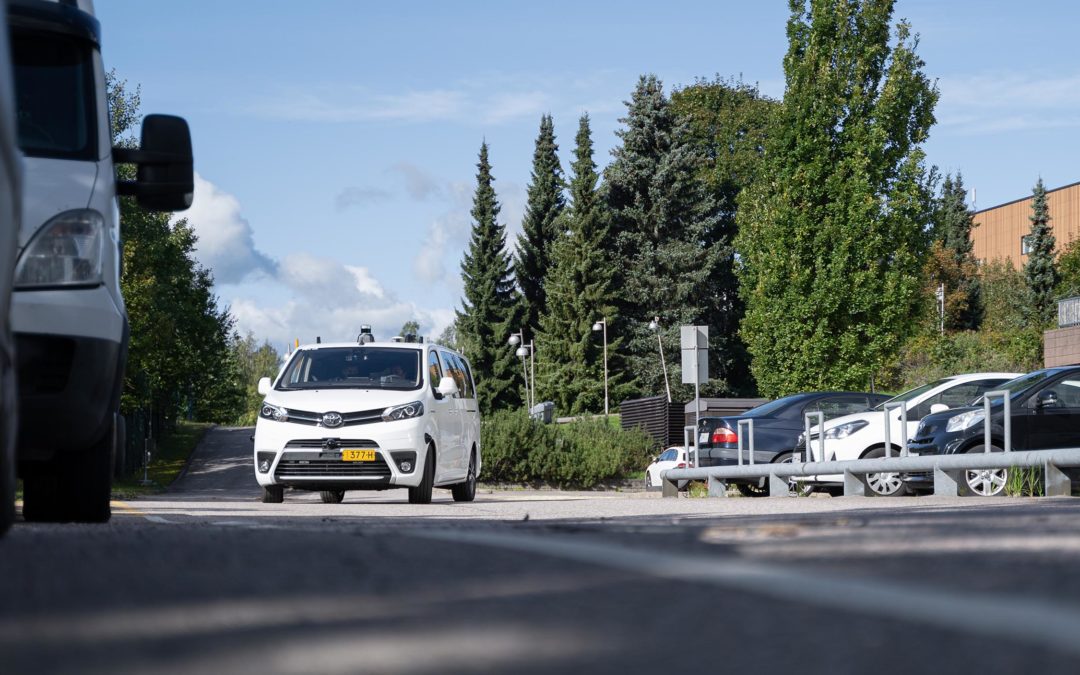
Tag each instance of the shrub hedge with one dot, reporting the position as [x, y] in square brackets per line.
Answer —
[580, 454]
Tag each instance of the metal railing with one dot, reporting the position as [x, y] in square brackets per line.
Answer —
[947, 469]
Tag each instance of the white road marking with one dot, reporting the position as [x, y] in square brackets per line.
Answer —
[991, 615]
[159, 519]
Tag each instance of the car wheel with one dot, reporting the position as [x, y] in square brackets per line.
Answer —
[751, 490]
[332, 496]
[421, 494]
[985, 482]
[648, 480]
[466, 492]
[794, 487]
[273, 494]
[76, 488]
[886, 483]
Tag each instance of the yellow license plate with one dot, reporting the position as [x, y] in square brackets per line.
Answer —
[352, 455]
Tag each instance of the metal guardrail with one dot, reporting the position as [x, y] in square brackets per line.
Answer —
[947, 470]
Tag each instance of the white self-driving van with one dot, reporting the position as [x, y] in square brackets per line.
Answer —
[70, 325]
[369, 416]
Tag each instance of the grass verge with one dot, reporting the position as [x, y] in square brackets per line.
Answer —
[167, 462]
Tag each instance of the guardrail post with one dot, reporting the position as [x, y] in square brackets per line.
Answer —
[688, 433]
[668, 488]
[1057, 483]
[778, 487]
[717, 487]
[946, 483]
[820, 417]
[903, 428]
[988, 397]
[749, 424]
[853, 485]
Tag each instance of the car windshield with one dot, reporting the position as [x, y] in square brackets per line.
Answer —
[766, 409]
[911, 394]
[353, 368]
[1017, 386]
[54, 94]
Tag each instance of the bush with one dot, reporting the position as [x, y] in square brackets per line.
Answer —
[581, 454]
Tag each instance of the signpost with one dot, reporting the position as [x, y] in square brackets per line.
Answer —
[694, 341]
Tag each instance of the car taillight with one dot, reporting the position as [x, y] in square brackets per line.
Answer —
[724, 435]
[681, 465]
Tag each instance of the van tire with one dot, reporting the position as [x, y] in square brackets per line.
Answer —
[78, 487]
[332, 496]
[273, 494]
[421, 494]
[466, 492]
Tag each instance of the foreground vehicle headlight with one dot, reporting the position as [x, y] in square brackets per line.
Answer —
[845, 430]
[964, 420]
[403, 412]
[66, 251]
[273, 412]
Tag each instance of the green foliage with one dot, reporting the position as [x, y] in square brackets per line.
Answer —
[539, 228]
[490, 309]
[581, 454]
[580, 291]
[254, 361]
[1041, 271]
[1069, 271]
[833, 232]
[930, 356]
[668, 241]
[179, 359]
[728, 121]
[1025, 481]
[952, 225]
[411, 327]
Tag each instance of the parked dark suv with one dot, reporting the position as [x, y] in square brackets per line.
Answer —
[1045, 414]
[777, 425]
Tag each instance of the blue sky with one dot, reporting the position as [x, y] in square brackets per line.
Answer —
[336, 142]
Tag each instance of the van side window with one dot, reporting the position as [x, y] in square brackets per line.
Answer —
[455, 370]
[434, 370]
[469, 384]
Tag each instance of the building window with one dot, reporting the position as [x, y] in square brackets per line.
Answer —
[1025, 244]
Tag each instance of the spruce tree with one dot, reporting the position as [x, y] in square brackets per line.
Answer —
[490, 307]
[1041, 270]
[832, 234]
[580, 292]
[955, 265]
[668, 244]
[545, 203]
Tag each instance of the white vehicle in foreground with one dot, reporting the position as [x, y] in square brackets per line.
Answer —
[672, 458]
[862, 435]
[369, 416]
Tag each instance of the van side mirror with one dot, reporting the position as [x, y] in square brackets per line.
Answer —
[938, 407]
[447, 386]
[165, 175]
[264, 386]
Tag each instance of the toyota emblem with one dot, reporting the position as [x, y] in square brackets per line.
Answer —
[331, 420]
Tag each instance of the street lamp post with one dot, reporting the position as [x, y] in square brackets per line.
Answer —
[602, 325]
[654, 325]
[523, 351]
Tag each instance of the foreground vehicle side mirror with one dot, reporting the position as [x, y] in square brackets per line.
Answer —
[938, 407]
[165, 178]
[264, 386]
[447, 386]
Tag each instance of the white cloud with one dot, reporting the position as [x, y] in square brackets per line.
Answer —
[503, 107]
[359, 196]
[419, 184]
[226, 243]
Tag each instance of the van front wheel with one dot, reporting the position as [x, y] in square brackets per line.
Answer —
[421, 494]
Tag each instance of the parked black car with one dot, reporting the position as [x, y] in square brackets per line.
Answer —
[1045, 414]
[777, 425]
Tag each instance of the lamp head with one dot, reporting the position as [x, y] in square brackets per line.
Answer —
[599, 325]
[522, 351]
[655, 323]
[514, 340]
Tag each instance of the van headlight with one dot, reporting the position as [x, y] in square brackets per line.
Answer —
[66, 251]
[845, 430]
[964, 420]
[268, 411]
[403, 412]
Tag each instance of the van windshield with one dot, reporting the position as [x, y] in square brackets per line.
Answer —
[353, 368]
[54, 95]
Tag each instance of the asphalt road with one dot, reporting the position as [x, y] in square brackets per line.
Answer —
[205, 579]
